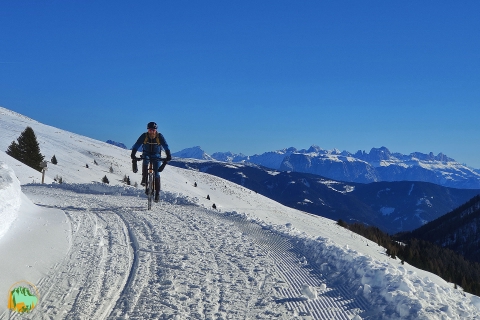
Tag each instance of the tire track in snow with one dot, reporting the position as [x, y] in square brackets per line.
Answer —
[122, 302]
[182, 262]
[94, 269]
[196, 269]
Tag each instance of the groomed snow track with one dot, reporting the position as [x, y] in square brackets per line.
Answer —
[179, 262]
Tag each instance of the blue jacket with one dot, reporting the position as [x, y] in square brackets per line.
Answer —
[152, 147]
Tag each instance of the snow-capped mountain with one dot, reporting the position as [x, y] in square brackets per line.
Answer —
[118, 144]
[194, 153]
[378, 165]
[226, 157]
[391, 206]
[94, 252]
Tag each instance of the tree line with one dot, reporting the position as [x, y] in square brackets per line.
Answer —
[425, 255]
[458, 230]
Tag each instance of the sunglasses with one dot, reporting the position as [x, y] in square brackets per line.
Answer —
[152, 130]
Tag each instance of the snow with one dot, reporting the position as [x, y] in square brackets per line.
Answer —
[411, 189]
[309, 291]
[425, 201]
[94, 252]
[9, 197]
[273, 173]
[331, 184]
[37, 239]
[386, 211]
[306, 183]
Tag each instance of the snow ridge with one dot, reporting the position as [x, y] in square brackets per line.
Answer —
[379, 287]
[9, 198]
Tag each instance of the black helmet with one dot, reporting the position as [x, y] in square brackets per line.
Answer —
[152, 125]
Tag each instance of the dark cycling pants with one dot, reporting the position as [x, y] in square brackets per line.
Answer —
[156, 165]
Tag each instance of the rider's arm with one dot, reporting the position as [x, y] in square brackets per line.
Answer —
[137, 145]
[164, 144]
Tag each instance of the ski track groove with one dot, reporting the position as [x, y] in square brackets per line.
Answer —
[286, 254]
[126, 262]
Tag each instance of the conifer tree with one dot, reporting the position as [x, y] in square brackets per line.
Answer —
[27, 149]
[14, 150]
[54, 160]
[105, 180]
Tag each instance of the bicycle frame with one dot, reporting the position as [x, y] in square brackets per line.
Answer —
[150, 182]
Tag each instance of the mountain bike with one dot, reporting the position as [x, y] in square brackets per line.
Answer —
[150, 179]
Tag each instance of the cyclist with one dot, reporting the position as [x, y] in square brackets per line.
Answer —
[152, 142]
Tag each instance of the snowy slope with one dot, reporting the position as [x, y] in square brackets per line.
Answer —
[251, 258]
[73, 152]
[9, 197]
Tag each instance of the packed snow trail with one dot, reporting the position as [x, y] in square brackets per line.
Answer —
[178, 262]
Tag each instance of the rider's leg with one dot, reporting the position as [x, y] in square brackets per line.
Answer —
[157, 180]
[157, 185]
[144, 176]
[144, 170]
[157, 188]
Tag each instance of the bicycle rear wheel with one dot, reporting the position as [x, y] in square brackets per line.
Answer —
[150, 186]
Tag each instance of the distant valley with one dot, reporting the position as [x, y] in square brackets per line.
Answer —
[392, 206]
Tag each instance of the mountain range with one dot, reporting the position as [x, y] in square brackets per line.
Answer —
[380, 164]
[393, 206]
[118, 144]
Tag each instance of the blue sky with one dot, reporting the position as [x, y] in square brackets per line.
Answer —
[250, 76]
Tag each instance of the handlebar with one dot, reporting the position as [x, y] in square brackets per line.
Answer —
[142, 158]
[135, 167]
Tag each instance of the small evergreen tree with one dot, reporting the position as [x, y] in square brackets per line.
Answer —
[111, 169]
[105, 180]
[54, 160]
[27, 149]
[342, 223]
[14, 150]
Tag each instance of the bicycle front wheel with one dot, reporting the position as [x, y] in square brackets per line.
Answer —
[150, 186]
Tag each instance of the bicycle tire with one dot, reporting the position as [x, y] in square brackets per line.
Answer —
[151, 185]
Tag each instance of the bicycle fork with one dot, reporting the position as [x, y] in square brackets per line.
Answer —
[152, 186]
